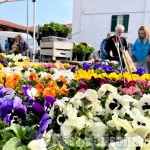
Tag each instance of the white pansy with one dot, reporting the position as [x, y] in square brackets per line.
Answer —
[66, 73]
[144, 104]
[69, 125]
[98, 129]
[120, 123]
[37, 145]
[87, 99]
[141, 131]
[117, 105]
[59, 105]
[70, 111]
[9, 71]
[47, 136]
[17, 57]
[98, 110]
[27, 74]
[104, 88]
[43, 74]
[32, 92]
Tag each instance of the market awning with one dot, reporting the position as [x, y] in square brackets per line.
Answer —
[4, 1]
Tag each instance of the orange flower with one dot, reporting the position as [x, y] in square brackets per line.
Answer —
[2, 77]
[9, 82]
[49, 92]
[40, 88]
[16, 78]
[64, 91]
[33, 77]
[63, 79]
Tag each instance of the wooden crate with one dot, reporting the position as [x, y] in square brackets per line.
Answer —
[56, 49]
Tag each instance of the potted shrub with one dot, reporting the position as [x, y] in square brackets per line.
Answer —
[82, 49]
[44, 30]
[65, 30]
[54, 28]
[90, 49]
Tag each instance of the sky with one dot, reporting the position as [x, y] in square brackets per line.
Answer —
[59, 11]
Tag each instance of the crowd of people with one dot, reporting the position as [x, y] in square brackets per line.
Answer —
[19, 46]
[138, 51]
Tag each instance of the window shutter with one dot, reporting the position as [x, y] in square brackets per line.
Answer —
[113, 23]
[126, 22]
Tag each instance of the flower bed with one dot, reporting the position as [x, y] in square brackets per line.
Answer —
[59, 106]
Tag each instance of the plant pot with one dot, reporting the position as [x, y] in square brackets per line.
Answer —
[80, 57]
[44, 33]
[53, 33]
[87, 56]
[74, 56]
[64, 35]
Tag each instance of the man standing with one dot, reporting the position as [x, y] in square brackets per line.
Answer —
[111, 48]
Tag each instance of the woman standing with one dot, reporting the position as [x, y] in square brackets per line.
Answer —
[141, 47]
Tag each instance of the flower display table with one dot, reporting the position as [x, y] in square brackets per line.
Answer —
[56, 47]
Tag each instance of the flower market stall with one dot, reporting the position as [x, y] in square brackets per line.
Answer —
[54, 106]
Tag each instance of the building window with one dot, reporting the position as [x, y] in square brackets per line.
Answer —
[119, 19]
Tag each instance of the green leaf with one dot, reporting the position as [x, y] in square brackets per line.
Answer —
[3, 124]
[8, 135]
[2, 143]
[12, 144]
[18, 130]
[22, 148]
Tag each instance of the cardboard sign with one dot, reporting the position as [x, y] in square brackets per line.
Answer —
[128, 62]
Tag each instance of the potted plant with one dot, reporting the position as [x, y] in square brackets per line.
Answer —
[54, 28]
[65, 30]
[80, 50]
[44, 30]
[90, 49]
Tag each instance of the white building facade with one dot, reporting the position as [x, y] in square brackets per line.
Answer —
[93, 19]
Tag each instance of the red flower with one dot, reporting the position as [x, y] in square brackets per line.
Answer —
[131, 83]
[83, 43]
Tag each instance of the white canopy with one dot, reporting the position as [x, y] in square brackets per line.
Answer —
[3, 1]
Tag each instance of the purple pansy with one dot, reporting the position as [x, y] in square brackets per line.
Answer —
[86, 66]
[13, 108]
[108, 69]
[4, 63]
[25, 88]
[98, 65]
[44, 122]
[140, 71]
[6, 92]
[37, 110]
[73, 69]
[49, 101]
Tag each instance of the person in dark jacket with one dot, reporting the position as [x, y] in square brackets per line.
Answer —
[111, 48]
[104, 54]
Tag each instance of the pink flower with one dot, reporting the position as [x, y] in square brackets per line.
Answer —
[82, 84]
[82, 90]
[143, 84]
[132, 90]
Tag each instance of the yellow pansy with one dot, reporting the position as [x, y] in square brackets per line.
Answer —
[1, 66]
